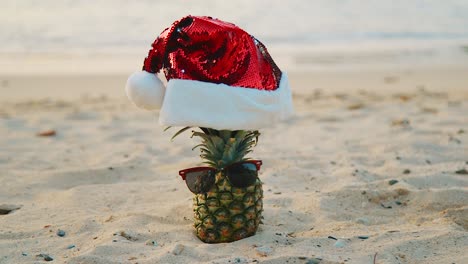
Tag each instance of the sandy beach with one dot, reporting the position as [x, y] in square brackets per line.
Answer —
[371, 169]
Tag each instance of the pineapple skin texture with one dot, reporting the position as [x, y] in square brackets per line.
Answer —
[226, 213]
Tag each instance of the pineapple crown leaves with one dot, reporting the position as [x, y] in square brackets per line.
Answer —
[219, 148]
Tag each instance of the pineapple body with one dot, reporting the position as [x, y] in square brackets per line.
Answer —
[226, 213]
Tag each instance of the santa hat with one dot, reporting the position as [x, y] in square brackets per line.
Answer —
[218, 77]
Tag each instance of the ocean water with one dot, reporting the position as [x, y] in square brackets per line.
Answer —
[389, 29]
[41, 36]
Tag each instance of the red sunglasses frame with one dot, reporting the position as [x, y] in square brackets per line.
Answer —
[183, 173]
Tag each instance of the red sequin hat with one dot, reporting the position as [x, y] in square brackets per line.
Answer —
[218, 76]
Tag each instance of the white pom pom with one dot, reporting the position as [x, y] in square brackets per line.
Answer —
[145, 90]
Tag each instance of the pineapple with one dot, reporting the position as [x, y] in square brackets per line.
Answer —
[226, 213]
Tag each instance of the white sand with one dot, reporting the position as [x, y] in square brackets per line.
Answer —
[109, 177]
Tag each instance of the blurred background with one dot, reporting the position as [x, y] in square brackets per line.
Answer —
[113, 36]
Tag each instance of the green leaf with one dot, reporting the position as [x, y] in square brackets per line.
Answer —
[205, 130]
[257, 134]
[234, 133]
[241, 134]
[204, 150]
[199, 145]
[225, 135]
[207, 156]
[180, 132]
[212, 164]
[202, 135]
[166, 129]
[218, 144]
[213, 132]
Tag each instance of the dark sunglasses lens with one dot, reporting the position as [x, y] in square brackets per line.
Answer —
[242, 175]
[200, 181]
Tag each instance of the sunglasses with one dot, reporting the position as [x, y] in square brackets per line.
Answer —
[240, 175]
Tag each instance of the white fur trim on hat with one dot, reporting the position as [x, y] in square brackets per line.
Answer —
[145, 90]
[220, 106]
